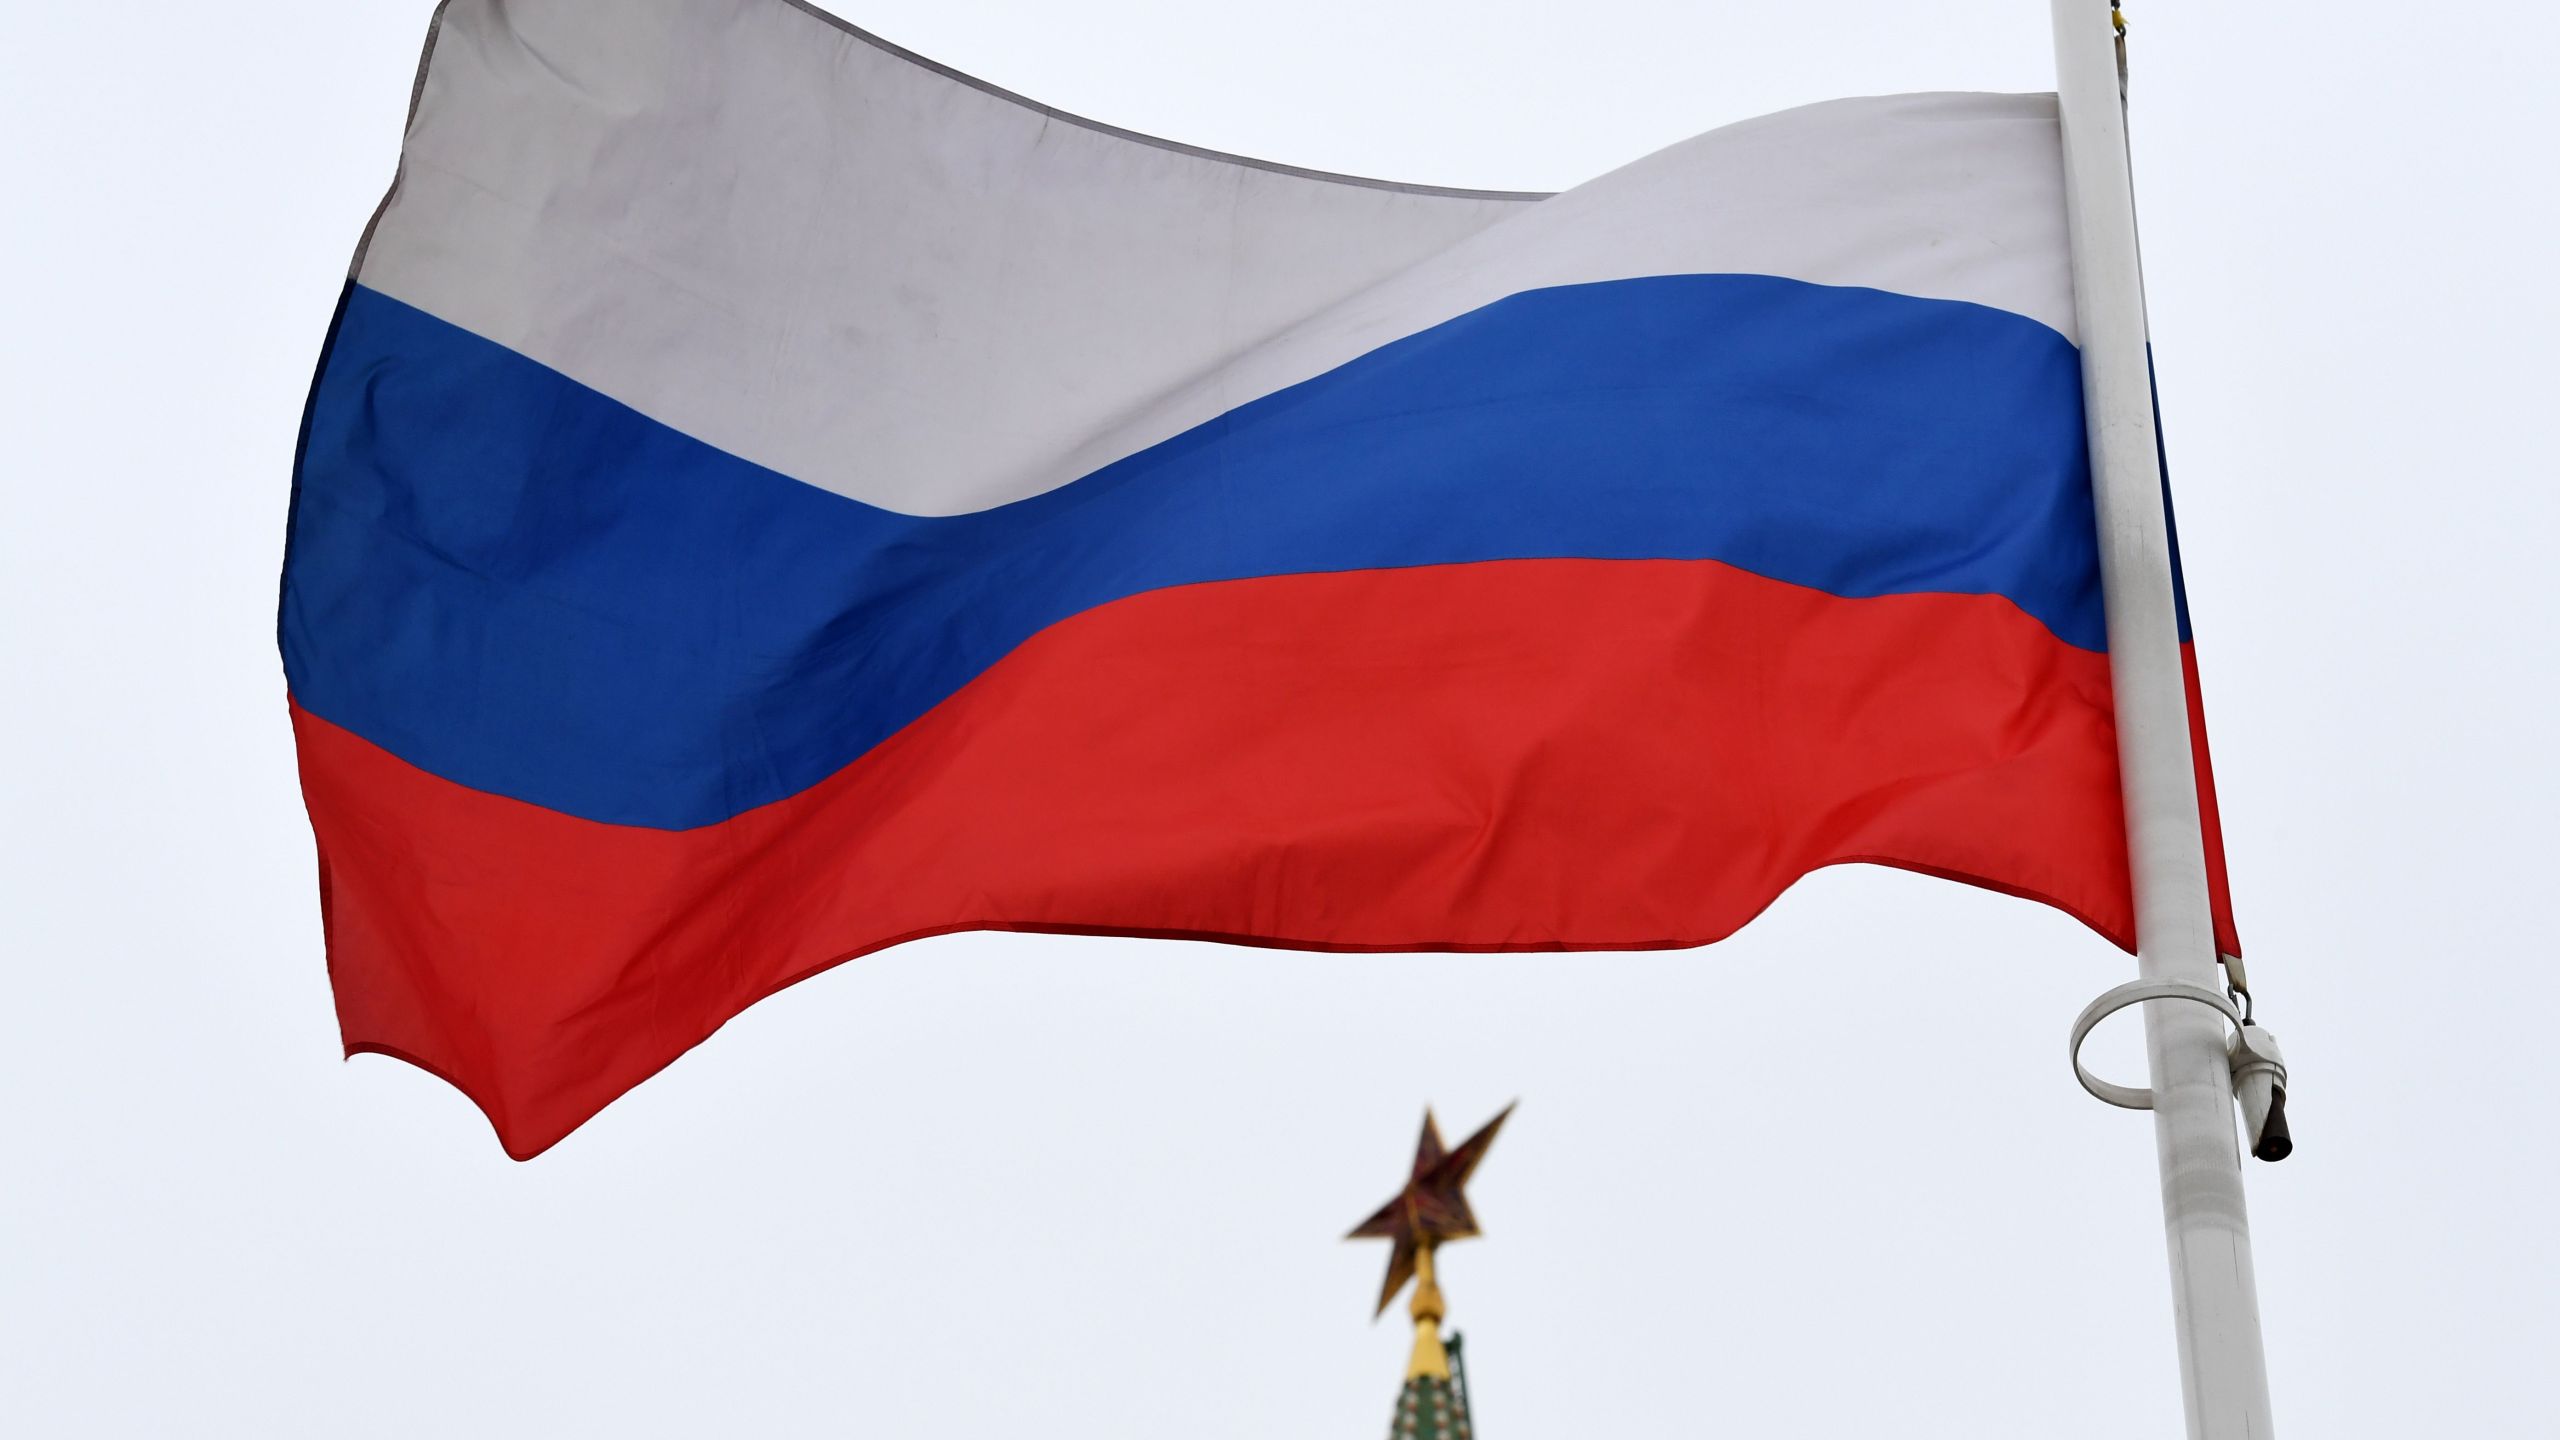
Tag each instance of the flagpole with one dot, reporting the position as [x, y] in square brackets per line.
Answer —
[2221, 1360]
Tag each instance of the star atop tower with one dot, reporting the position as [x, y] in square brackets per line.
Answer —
[1431, 1209]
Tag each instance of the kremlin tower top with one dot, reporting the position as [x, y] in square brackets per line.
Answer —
[1430, 1211]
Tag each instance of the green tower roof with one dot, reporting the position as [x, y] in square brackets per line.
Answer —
[1434, 1407]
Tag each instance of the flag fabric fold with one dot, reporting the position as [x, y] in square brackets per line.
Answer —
[766, 497]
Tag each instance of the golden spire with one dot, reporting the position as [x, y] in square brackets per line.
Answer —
[1430, 1357]
[1431, 1210]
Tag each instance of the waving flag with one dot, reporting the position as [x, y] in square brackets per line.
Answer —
[767, 497]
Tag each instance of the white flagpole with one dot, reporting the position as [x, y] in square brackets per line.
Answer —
[2212, 1281]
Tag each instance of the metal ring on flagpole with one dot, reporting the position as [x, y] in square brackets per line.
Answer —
[2134, 993]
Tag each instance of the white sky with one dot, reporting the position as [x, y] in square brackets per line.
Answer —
[1830, 1178]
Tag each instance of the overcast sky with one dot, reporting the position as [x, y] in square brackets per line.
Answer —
[1830, 1178]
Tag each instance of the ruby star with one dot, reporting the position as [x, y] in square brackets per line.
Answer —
[1433, 1206]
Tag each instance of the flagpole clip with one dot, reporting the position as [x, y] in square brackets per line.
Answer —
[2258, 1072]
[2257, 1082]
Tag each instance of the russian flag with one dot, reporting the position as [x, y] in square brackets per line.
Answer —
[766, 497]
